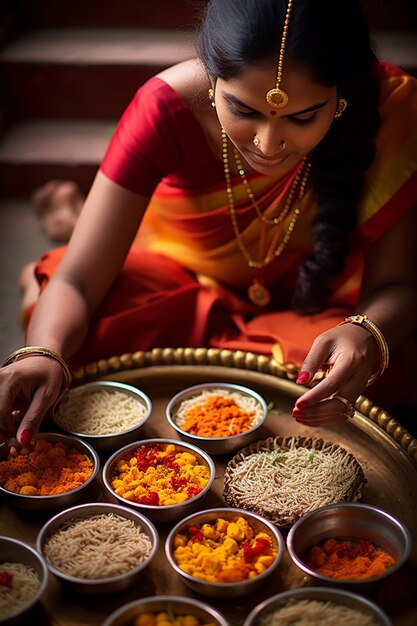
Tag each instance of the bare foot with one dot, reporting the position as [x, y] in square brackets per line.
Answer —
[29, 289]
[59, 203]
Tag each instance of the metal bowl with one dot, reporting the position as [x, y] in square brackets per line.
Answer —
[15, 551]
[107, 585]
[155, 512]
[337, 596]
[232, 589]
[112, 441]
[216, 445]
[353, 521]
[62, 500]
[125, 615]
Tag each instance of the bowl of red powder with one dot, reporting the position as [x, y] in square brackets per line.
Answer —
[350, 545]
[219, 418]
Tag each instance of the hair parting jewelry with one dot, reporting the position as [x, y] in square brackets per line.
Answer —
[27, 351]
[383, 350]
[341, 107]
[276, 97]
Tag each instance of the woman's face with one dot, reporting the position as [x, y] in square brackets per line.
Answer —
[244, 112]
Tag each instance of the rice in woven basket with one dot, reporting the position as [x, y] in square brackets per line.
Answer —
[282, 478]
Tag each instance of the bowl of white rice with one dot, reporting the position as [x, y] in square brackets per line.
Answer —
[106, 414]
[175, 610]
[317, 605]
[98, 548]
[217, 417]
[24, 578]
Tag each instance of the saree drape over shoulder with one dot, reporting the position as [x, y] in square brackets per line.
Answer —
[185, 280]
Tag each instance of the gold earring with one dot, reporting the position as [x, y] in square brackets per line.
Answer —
[341, 107]
[211, 97]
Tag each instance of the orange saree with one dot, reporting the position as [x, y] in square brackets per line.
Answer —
[185, 280]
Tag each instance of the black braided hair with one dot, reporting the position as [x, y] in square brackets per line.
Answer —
[331, 40]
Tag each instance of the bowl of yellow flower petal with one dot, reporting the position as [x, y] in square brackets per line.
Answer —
[224, 552]
[166, 611]
[217, 417]
[163, 478]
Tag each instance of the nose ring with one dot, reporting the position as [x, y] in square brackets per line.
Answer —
[257, 143]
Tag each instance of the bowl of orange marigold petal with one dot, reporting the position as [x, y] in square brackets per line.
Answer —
[224, 552]
[165, 479]
[349, 545]
[51, 474]
[217, 417]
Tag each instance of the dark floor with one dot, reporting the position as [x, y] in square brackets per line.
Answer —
[21, 241]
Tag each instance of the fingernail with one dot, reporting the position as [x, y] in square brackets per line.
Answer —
[303, 377]
[25, 437]
[2, 438]
[297, 412]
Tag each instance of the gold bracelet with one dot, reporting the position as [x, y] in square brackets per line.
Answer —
[362, 320]
[22, 353]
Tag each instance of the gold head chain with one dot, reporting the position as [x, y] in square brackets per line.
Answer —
[277, 97]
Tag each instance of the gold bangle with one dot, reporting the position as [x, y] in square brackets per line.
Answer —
[383, 351]
[22, 353]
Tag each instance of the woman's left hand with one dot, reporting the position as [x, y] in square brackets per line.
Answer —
[350, 352]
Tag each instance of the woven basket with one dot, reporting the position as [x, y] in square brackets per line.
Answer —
[285, 519]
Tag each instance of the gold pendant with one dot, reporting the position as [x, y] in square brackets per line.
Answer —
[258, 294]
[276, 98]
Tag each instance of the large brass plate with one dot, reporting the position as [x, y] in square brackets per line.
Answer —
[389, 467]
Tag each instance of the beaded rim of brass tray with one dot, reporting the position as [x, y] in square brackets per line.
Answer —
[241, 360]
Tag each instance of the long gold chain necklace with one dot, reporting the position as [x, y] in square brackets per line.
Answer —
[257, 292]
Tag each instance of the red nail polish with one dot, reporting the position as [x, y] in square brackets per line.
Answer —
[25, 437]
[303, 377]
[297, 412]
[2, 438]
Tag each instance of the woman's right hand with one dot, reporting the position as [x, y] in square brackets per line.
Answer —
[28, 389]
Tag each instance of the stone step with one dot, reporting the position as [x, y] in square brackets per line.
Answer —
[35, 151]
[85, 73]
[111, 14]
[93, 73]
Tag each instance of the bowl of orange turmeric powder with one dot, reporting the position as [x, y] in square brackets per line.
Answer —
[350, 545]
[224, 552]
[219, 417]
[51, 474]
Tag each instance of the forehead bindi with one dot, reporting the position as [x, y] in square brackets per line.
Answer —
[272, 113]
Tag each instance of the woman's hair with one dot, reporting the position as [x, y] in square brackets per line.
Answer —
[330, 39]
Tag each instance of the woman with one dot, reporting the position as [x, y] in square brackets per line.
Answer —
[276, 179]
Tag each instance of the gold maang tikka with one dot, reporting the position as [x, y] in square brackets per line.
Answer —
[277, 97]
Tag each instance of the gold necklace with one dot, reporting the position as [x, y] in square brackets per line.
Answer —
[257, 292]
